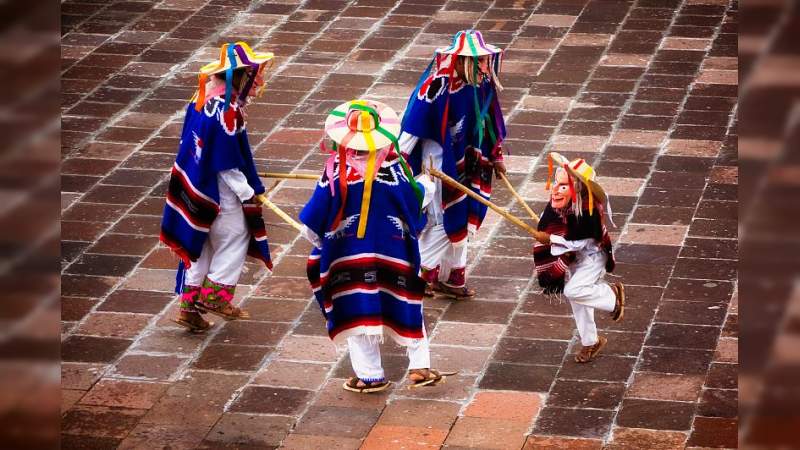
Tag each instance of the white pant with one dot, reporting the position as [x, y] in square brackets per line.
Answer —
[365, 356]
[224, 252]
[435, 249]
[586, 291]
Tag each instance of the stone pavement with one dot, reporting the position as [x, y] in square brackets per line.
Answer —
[644, 89]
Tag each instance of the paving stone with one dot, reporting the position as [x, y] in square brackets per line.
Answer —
[80, 376]
[152, 367]
[246, 332]
[466, 360]
[124, 394]
[145, 302]
[308, 348]
[232, 357]
[517, 407]
[332, 394]
[439, 415]
[586, 394]
[655, 414]
[269, 400]
[530, 351]
[300, 442]
[113, 325]
[100, 421]
[486, 433]
[556, 442]
[387, 436]
[302, 375]
[92, 349]
[714, 432]
[351, 422]
[172, 436]
[669, 360]
[660, 386]
[518, 377]
[631, 438]
[586, 423]
[478, 312]
[458, 333]
[242, 430]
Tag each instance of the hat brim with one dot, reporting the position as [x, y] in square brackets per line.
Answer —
[487, 49]
[255, 58]
[336, 128]
[596, 189]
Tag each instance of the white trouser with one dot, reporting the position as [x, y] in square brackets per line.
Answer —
[586, 291]
[224, 252]
[365, 356]
[435, 249]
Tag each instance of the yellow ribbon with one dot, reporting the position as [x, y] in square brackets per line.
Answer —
[365, 199]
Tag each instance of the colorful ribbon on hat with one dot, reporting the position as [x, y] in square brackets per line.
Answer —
[367, 114]
[227, 53]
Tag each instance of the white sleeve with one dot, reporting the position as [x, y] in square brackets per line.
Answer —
[429, 186]
[559, 245]
[236, 180]
[310, 236]
[407, 143]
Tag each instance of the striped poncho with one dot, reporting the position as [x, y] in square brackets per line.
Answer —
[367, 286]
[466, 121]
[212, 140]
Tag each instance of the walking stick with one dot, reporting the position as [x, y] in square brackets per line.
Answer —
[508, 216]
[280, 213]
[519, 197]
[289, 176]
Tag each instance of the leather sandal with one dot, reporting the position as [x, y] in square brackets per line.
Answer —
[588, 353]
[226, 311]
[458, 293]
[193, 322]
[427, 377]
[355, 384]
[619, 308]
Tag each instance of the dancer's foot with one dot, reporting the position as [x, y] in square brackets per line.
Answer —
[588, 352]
[193, 321]
[458, 293]
[226, 311]
[355, 384]
[619, 308]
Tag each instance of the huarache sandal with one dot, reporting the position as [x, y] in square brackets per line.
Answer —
[458, 293]
[588, 353]
[619, 309]
[193, 322]
[430, 290]
[427, 377]
[226, 311]
[355, 384]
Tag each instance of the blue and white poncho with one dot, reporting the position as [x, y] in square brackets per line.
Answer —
[466, 121]
[212, 141]
[367, 286]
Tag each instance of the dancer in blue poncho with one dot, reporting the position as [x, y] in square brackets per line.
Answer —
[363, 220]
[453, 122]
[212, 219]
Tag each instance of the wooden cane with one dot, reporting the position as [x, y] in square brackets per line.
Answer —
[519, 197]
[281, 214]
[289, 176]
[506, 215]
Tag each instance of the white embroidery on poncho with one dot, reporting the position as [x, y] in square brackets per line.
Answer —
[338, 232]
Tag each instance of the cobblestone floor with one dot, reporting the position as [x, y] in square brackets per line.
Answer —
[644, 89]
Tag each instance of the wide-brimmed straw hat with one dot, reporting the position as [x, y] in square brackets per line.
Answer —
[469, 43]
[232, 56]
[580, 169]
[363, 125]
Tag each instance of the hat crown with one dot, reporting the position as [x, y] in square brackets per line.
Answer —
[583, 168]
[361, 121]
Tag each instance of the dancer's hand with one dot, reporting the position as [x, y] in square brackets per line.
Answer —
[542, 237]
[499, 168]
[259, 199]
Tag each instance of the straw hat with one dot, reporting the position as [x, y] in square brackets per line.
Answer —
[584, 172]
[469, 43]
[232, 56]
[363, 125]
[235, 56]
